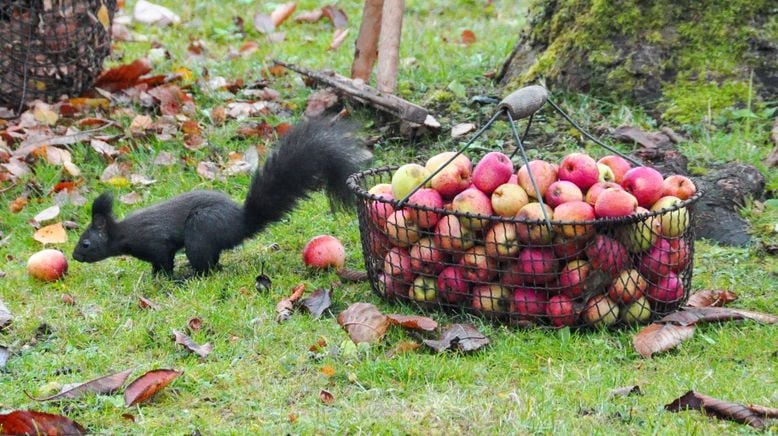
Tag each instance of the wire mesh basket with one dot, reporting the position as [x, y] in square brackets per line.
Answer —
[527, 268]
[51, 47]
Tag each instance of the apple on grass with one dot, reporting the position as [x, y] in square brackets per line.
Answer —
[508, 199]
[678, 186]
[636, 313]
[534, 233]
[452, 286]
[423, 288]
[600, 311]
[673, 223]
[562, 191]
[560, 311]
[492, 170]
[490, 298]
[628, 287]
[406, 178]
[645, 183]
[454, 177]
[618, 165]
[574, 211]
[475, 202]
[544, 174]
[47, 265]
[324, 251]
[580, 169]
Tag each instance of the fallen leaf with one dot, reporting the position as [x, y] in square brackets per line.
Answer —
[309, 16]
[5, 316]
[352, 275]
[656, 338]
[141, 123]
[413, 322]
[29, 422]
[18, 204]
[51, 234]
[694, 315]
[172, 100]
[43, 114]
[102, 386]
[402, 348]
[632, 134]
[69, 299]
[130, 198]
[195, 324]
[328, 371]
[47, 214]
[150, 13]
[462, 129]
[319, 346]
[188, 343]
[626, 391]
[336, 15]
[462, 337]
[260, 130]
[338, 37]
[116, 170]
[283, 128]
[708, 297]
[263, 23]
[124, 76]
[285, 307]
[165, 159]
[282, 12]
[468, 37]
[317, 302]
[103, 17]
[141, 180]
[145, 386]
[145, 303]
[717, 408]
[320, 101]
[326, 397]
[103, 148]
[208, 170]
[58, 156]
[363, 322]
[766, 412]
[193, 137]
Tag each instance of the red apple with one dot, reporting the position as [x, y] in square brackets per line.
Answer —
[534, 266]
[490, 298]
[534, 233]
[574, 211]
[560, 311]
[667, 289]
[49, 265]
[580, 169]
[572, 278]
[666, 256]
[478, 267]
[472, 201]
[426, 257]
[607, 254]
[501, 240]
[645, 183]
[450, 235]
[425, 197]
[401, 230]
[492, 170]
[600, 311]
[391, 287]
[562, 191]
[324, 251]
[568, 248]
[614, 203]
[678, 186]
[528, 303]
[628, 287]
[452, 286]
[508, 199]
[617, 164]
[596, 189]
[454, 177]
[382, 190]
[544, 173]
[397, 263]
[378, 243]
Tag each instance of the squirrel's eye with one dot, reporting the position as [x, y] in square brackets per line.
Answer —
[85, 243]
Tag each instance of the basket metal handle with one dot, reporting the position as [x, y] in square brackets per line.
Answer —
[524, 102]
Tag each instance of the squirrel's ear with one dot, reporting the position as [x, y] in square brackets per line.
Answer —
[103, 205]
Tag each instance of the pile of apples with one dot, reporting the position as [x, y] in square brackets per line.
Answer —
[477, 236]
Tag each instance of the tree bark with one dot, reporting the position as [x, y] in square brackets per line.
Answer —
[389, 45]
[366, 47]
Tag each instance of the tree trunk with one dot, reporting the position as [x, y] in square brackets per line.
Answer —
[681, 58]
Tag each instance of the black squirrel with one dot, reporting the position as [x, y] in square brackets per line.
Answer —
[204, 223]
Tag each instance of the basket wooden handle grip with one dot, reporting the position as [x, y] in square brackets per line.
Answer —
[524, 101]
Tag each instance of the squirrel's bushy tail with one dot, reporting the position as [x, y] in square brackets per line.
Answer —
[313, 154]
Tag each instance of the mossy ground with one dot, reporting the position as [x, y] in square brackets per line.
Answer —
[262, 378]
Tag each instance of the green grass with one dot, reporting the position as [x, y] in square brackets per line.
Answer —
[262, 377]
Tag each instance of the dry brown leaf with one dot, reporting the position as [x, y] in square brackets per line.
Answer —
[208, 170]
[218, 115]
[328, 371]
[285, 307]
[363, 322]
[708, 297]
[309, 16]
[765, 412]
[717, 408]
[130, 198]
[462, 129]
[282, 12]
[320, 101]
[319, 301]
[123, 76]
[326, 397]
[338, 37]
[656, 338]
[145, 386]
[462, 337]
[165, 159]
[694, 315]
[5, 316]
[402, 348]
[69, 299]
[468, 37]
[104, 386]
[145, 303]
[263, 23]
[18, 204]
[352, 275]
[43, 114]
[149, 13]
[413, 322]
[195, 324]
[141, 123]
[24, 422]
[51, 234]
[188, 343]
[172, 100]
[103, 148]
[336, 15]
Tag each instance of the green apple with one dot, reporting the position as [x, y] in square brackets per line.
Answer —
[673, 223]
[407, 178]
[600, 311]
[424, 289]
[641, 235]
[637, 312]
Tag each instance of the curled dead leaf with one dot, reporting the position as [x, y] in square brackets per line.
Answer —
[105, 385]
[709, 297]
[468, 37]
[319, 301]
[336, 15]
[717, 408]
[145, 386]
[145, 303]
[656, 338]
[23, 422]
[694, 315]
[338, 37]
[326, 397]
[402, 348]
[51, 234]
[188, 343]
[363, 322]
[352, 275]
[282, 12]
[413, 322]
[195, 324]
[5, 316]
[462, 337]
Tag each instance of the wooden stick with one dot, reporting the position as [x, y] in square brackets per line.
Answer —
[389, 45]
[366, 47]
[358, 90]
